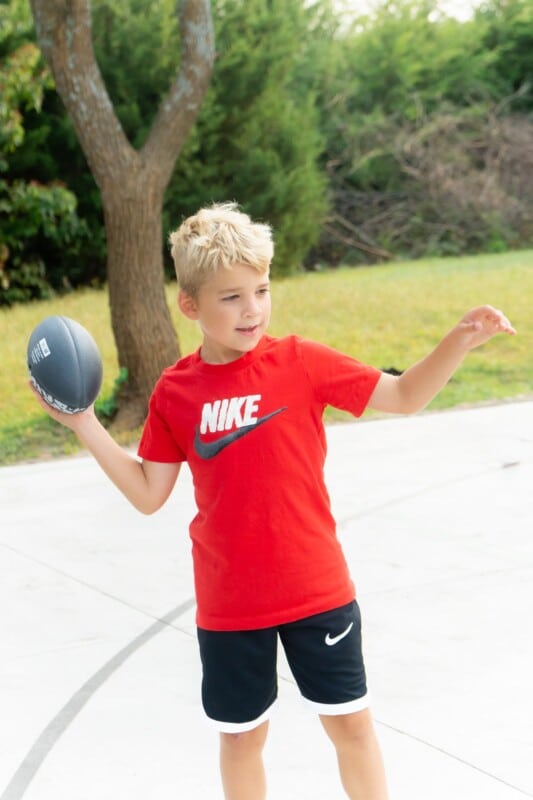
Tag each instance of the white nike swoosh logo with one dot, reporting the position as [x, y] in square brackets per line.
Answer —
[331, 640]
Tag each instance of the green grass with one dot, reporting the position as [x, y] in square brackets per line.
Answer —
[388, 316]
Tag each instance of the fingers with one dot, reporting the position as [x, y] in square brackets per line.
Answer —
[40, 399]
[500, 321]
[59, 416]
[489, 318]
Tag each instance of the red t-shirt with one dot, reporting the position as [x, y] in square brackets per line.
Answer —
[265, 549]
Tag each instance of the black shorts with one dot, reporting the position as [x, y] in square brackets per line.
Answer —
[239, 685]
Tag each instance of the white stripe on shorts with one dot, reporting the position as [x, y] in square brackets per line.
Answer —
[336, 709]
[240, 727]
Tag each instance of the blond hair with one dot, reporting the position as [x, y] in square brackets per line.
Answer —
[215, 237]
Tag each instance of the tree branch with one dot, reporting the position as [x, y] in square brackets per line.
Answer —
[64, 33]
[178, 110]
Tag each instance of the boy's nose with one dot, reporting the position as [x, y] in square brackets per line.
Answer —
[252, 306]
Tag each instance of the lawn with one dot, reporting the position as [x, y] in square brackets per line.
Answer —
[388, 316]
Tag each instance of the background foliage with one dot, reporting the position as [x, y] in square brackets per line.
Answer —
[40, 232]
[399, 134]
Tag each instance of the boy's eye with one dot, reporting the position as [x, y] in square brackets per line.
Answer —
[264, 290]
[230, 297]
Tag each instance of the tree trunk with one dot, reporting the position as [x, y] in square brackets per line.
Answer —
[145, 337]
[132, 183]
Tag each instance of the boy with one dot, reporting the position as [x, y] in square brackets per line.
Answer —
[245, 412]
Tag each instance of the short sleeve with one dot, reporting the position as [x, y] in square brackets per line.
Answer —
[337, 379]
[157, 442]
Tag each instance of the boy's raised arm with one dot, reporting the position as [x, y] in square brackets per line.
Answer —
[146, 484]
[418, 385]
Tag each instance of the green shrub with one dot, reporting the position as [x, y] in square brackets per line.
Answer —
[41, 236]
[40, 232]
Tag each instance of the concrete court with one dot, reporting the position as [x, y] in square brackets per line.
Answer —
[99, 674]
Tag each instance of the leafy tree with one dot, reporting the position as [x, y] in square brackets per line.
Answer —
[400, 63]
[135, 46]
[304, 119]
[404, 74]
[257, 139]
[508, 36]
[39, 227]
[131, 181]
[23, 81]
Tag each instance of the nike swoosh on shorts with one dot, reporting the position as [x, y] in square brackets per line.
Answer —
[211, 449]
[331, 640]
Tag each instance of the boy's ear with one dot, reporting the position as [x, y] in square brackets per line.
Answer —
[187, 305]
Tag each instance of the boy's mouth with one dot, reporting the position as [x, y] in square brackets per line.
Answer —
[249, 330]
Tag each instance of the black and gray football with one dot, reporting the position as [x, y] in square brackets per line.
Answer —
[65, 364]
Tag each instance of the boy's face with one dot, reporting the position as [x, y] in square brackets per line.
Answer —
[233, 311]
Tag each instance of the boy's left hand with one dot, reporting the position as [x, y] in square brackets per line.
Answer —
[481, 324]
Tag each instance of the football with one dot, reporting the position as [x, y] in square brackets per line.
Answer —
[65, 364]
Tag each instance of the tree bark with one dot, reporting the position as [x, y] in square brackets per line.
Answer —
[132, 183]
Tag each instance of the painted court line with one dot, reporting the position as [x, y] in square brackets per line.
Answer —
[453, 756]
[44, 744]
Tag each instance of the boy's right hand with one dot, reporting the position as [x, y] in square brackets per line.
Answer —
[71, 421]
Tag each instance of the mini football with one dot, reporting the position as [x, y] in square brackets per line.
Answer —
[64, 364]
